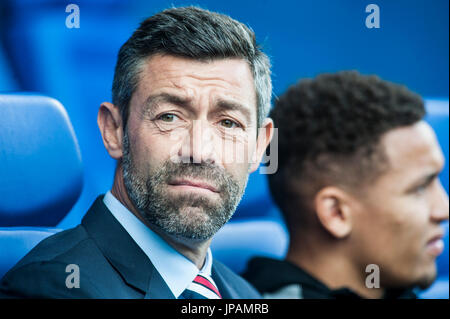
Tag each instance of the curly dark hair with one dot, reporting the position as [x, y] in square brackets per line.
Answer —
[328, 134]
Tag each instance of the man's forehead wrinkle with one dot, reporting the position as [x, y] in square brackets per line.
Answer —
[160, 71]
[153, 101]
[188, 89]
[189, 94]
[185, 83]
[230, 105]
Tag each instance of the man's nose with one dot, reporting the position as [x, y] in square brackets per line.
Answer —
[198, 145]
[440, 208]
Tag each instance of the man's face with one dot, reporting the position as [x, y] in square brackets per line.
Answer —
[397, 227]
[186, 118]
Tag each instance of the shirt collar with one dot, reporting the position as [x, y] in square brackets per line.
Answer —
[176, 270]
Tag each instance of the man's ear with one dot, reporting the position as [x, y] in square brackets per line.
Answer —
[109, 122]
[265, 134]
[334, 209]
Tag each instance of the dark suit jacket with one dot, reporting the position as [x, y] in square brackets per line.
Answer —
[111, 265]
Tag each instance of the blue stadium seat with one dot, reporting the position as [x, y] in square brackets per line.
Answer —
[240, 240]
[41, 172]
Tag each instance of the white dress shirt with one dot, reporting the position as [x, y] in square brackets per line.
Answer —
[175, 269]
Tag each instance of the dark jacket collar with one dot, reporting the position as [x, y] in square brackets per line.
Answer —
[269, 275]
[123, 253]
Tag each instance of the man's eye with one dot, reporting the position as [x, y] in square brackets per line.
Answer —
[228, 123]
[168, 117]
[421, 189]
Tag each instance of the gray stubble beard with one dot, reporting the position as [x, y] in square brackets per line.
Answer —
[188, 216]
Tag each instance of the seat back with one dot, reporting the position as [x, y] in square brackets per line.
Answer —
[237, 242]
[40, 172]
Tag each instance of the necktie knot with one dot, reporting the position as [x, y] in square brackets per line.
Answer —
[202, 287]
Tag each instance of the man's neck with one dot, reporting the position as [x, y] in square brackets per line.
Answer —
[195, 251]
[331, 265]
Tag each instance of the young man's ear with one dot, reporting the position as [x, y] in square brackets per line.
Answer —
[109, 122]
[334, 210]
[265, 135]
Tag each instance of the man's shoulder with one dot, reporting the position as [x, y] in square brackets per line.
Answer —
[44, 271]
[275, 278]
[56, 244]
[55, 247]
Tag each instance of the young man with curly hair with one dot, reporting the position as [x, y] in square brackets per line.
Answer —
[358, 187]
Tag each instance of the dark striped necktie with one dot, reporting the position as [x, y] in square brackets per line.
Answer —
[202, 287]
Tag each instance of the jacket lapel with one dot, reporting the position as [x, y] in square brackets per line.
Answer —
[158, 288]
[226, 290]
[123, 253]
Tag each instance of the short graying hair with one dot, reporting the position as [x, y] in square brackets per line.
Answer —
[195, 33]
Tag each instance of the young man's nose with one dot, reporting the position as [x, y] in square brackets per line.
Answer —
[440, 210]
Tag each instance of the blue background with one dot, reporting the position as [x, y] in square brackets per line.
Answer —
[303, 38]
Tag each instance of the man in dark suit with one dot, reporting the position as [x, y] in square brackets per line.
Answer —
[188, 123]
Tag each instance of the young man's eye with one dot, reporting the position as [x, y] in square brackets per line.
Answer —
[420, 189]
[229, 123]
